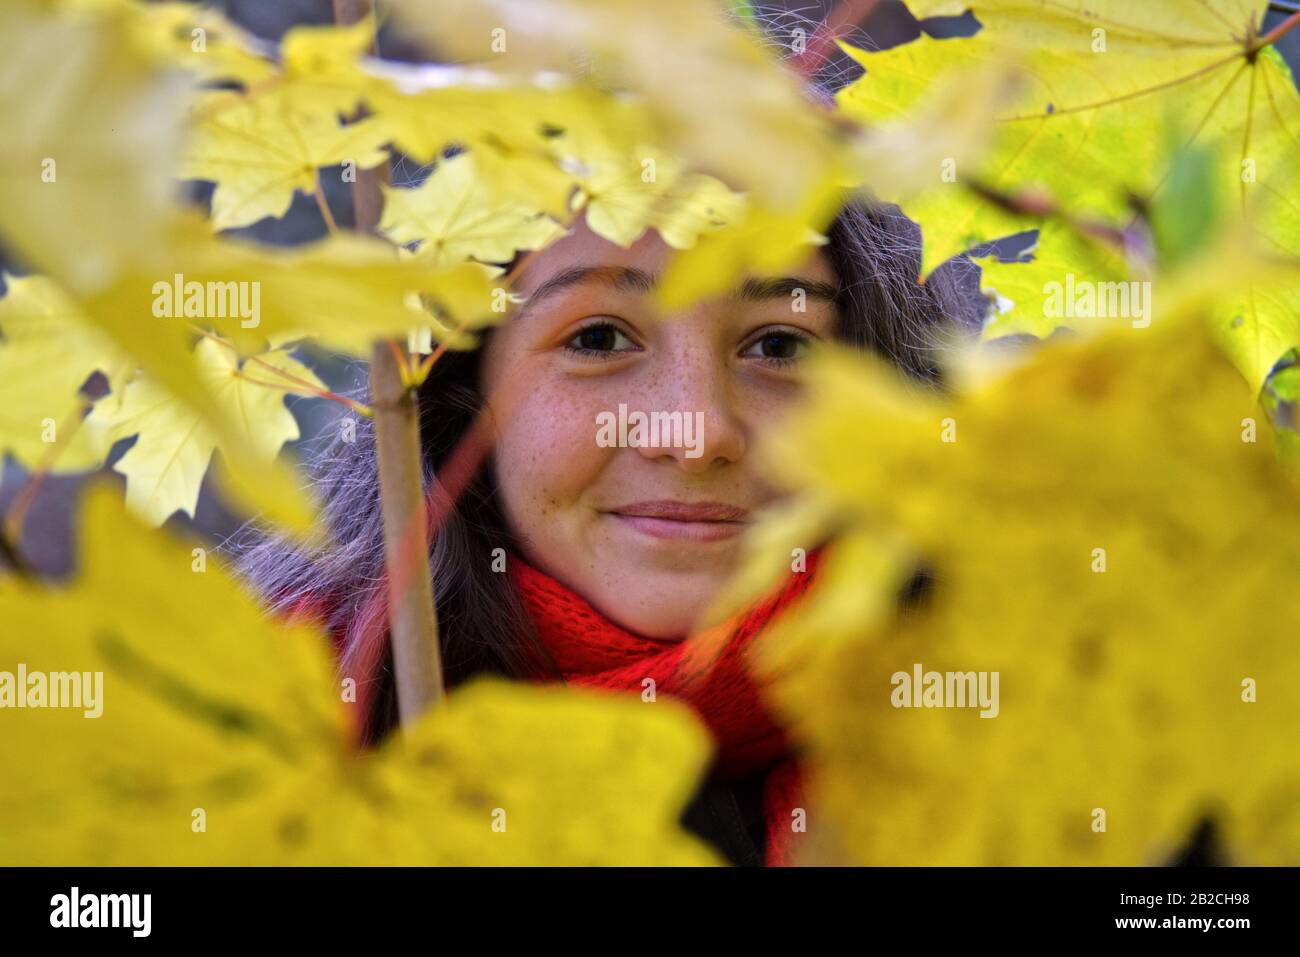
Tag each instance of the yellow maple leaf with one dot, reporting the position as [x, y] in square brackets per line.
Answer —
[47, 352]
[259, 150]
[165, 468]
[759, 241]
[501, 123]
[694, 205]
[624, 189]
[1104, 78]
[86, 141]
[198, 39]
[710, 85]
[217, 736]
[618, 188]
[1104, 536]
[454, 217]
[89, 134]
[342, 293]
[322, 63]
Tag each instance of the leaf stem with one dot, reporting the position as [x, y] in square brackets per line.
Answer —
[351, 404]
[843, 16]
[16, 515]
[1277, 33]
[300, 384]
[412, 614]
[324, 207]
[426, 365]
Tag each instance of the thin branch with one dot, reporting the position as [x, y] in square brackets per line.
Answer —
[324, 207]
[426, 366]
[16, 515]
[846, 15]
[296, 383]
[1044, 207]
[1278, 32]
[417, 661]
[412, 615]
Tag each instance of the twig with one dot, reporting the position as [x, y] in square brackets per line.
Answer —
[1044, 207]
[324, 207]
[417, 662]
[426, 366]
[1277, 33]
[16, 515]
[845, 15]
[412, 617]
[298, 383]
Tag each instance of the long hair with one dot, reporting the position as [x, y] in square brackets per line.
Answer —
[881, 306]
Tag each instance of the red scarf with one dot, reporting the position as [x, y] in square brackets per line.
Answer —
[709, 672]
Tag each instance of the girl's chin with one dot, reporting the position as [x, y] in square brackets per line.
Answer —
[680, 564]
[657, 627]
[656, 602]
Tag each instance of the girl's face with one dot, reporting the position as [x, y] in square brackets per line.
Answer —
[643, 523]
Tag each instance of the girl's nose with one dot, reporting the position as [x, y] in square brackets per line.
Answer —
[700, 428]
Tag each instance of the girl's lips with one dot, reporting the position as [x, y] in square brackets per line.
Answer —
[684, 511]
[683, 521]
[670, 528]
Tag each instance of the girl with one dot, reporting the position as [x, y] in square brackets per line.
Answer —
[613, 551]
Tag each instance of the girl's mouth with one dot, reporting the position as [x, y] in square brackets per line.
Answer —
[683, 521]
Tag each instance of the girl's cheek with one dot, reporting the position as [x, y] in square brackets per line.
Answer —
[548, 448]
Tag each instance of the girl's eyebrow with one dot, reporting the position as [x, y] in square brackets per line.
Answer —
[629, 278]
[756, 289]
[624, 278]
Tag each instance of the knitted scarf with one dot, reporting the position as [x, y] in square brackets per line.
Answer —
[708, 672]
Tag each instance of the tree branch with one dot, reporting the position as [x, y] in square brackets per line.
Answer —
[413, 622]
[412, 617]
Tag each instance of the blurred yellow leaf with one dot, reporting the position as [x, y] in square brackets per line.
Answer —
[47, 352]
[221, 737]
[760, 241]
[198, 39]
[710, 84]
[1105, 534]
[89, 135]
[344, 293]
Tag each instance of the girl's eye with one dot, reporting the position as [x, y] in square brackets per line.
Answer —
[599, 340]
[778, 347]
